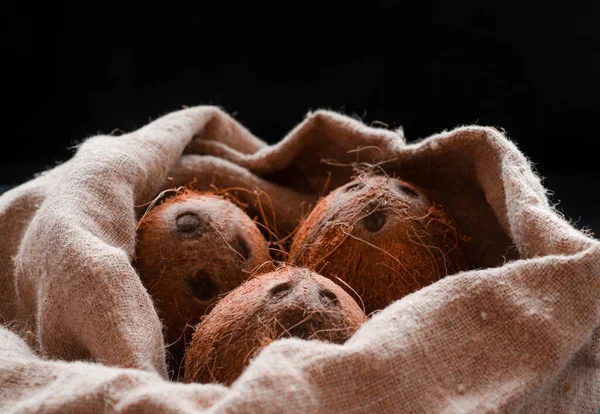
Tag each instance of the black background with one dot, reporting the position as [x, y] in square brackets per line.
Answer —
[84, 68]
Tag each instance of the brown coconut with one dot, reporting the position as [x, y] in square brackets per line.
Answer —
[191, 249]
[288, 302]
[383, 237]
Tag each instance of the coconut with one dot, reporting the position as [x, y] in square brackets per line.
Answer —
[289, 302]
[191, 249]
[381, 238]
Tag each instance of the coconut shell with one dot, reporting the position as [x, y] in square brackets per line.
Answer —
[288, 302]
[383, 237]
[191, 249]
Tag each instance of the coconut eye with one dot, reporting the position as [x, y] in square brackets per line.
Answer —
[328, 297]
[374, 221]
[280, 290]
[188, 223]
[202, 287]
[354, 187]
[242, 247]
[407, 190]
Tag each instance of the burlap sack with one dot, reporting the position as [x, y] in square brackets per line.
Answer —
[517, 333]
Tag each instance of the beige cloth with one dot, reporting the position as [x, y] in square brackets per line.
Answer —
[519, 332]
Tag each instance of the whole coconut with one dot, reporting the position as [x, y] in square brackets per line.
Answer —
[288, 302]
[383, 237]
[192, 248]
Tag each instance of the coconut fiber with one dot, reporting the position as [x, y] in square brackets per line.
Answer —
[515, 331]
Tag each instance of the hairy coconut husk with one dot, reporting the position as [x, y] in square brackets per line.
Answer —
[191, 249]
[383, 237]
[288, 302]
